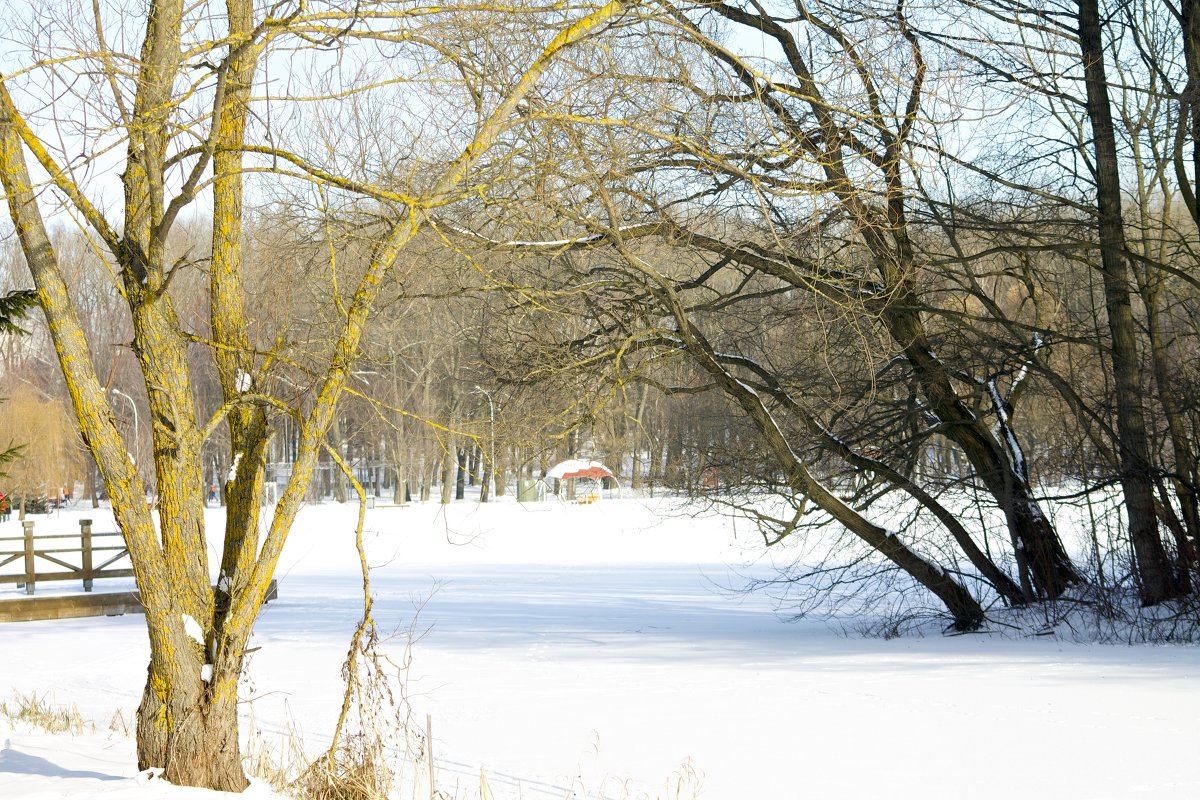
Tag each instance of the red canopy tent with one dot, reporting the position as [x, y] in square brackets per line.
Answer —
[577, 470]
[574, 468]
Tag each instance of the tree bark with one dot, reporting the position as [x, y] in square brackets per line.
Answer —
[1183, 478]
[187, 726]
[1189, 107]
[1157, 580]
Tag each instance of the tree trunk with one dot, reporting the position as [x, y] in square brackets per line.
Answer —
[460, 474]
[673, 475]
[192, 733]
[341, 489]
[502, 458]
[1189, 107]
[90, 488]
[1156, 579]
[448, 465]
[400, 489]
[1035, 539]
[1183, 478]
[428, 472]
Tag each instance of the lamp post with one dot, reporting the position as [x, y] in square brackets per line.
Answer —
[491, 485]
[132, 405]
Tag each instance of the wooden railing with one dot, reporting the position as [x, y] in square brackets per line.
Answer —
[50, 552]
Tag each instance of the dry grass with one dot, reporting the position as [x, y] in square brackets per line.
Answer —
[361, 768]
[358, 770]
[120, 723]
[35, 710]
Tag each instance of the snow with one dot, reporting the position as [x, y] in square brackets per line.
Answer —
[193, 629]
[746, 387]
[603, 651]
[1014, 447]
[40, 766]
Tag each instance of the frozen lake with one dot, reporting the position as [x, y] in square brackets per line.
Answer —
[602, 651]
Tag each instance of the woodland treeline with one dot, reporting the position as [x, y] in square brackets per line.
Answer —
[814, 261]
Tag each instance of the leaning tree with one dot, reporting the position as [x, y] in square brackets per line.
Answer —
[744, 187]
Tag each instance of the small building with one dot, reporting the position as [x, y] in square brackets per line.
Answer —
[584, 481]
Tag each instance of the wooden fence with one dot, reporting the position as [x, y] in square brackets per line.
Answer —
[57, 552]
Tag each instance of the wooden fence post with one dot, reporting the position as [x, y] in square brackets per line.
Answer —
[29, 572]
[85, 545]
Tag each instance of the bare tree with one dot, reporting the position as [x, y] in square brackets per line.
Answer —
[1110, 72]
[737, 194]
[183, 106]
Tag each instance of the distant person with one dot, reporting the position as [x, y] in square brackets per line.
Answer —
[5, 507]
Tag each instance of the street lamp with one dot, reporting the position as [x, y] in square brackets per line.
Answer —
[132, 405]
[491, 486]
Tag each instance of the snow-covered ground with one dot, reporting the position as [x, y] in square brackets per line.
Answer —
[596, 651]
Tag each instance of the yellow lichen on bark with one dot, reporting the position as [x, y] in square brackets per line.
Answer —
[170, 557]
